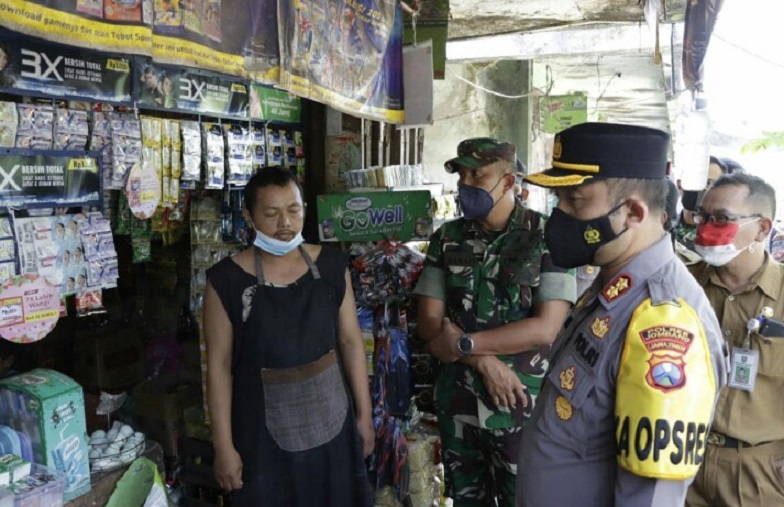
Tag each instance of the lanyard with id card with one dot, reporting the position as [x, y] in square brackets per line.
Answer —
[744, 361]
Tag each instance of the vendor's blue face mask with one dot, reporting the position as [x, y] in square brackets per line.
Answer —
[275, 246]
[476, 203]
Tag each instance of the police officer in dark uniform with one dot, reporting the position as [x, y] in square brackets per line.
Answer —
[624, 412]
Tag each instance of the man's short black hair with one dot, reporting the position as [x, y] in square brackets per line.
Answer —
[762, 195]
[266, 177]
[652, 191]
[727, 165]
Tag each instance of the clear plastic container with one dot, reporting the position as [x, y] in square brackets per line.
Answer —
[44, 488]
[6, 498]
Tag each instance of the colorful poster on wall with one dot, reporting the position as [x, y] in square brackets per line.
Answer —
[115, 26]
[343, 153]
[59, 71]
[274, 105]
[236, 37]
[347, 54]
[373, 216]
[29, 308]
[58, 178]
[189, 90]
[561, 112]
[431, 24]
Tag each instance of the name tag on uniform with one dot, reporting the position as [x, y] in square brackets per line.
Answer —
[743, 368]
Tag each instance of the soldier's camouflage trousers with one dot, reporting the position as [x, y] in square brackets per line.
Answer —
[480, 464]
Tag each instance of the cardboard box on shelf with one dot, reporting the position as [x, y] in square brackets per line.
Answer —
[49, 408]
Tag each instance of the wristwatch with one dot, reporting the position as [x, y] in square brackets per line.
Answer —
[465, 344]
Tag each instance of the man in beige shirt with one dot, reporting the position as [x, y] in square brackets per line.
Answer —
[744, 462]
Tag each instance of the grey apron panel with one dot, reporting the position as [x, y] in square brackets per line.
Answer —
[305, 407]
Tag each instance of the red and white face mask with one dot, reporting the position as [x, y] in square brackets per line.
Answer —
[717, 244]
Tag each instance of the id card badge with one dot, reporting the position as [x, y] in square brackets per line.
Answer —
[743, 368]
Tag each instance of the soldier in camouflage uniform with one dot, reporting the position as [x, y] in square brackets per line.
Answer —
[491, 302]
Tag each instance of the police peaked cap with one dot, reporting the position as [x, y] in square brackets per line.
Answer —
[595, 151]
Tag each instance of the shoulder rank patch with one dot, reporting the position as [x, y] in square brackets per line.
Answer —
[617, 287]
[600, 327]
[567, 378]
[563, 408]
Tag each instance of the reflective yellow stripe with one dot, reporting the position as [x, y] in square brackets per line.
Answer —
[576, 167]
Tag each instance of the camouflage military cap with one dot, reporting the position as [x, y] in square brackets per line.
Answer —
[482, 151]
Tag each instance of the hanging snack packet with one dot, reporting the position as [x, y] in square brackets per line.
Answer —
[89, 302]
[191, 151]
[123, 217]
[258, 139]
[239, 155]
[71, 130]
[36, 127]
[9, 123]
[214, 156]
[126, 149]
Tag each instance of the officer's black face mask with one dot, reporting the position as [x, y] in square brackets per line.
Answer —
[573, 242]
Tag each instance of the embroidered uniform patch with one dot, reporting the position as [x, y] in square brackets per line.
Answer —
[667, 346]
[563, 408]
[567, 378]
[600, 327]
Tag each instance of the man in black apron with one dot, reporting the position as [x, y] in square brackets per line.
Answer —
[287, 378]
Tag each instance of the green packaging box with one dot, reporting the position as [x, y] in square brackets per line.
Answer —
[49, 408]
[16, 467]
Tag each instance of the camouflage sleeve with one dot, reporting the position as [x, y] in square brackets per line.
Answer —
[555, 283]
[432, 282]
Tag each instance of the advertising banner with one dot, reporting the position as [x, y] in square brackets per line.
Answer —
[29, 308]
[373, 216]
[274, 105]
[236, 37]
[60, 71]
[54, 179]
[561, 112]
[115, 26]
[431, 24]
[347, 54]
[189, 90]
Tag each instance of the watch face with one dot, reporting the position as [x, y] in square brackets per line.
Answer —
[465, 344]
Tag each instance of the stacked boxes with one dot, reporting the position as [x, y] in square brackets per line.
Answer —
[49, 408]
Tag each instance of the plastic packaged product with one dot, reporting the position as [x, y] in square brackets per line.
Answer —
[274, 146]
[239, 155]
[214, 156]
[43, 488]
[89, 302]
[18, 469]
[258, 139]
[206, 232]
[36, 127]
[9, 123]
[6, 497]
[191, 150]
[71, 130]
[126, 150]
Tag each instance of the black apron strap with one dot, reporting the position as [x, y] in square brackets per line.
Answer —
[312, 265]
[259, 271]
[314, 270]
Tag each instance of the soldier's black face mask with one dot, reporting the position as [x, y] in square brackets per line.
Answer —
[573, 242]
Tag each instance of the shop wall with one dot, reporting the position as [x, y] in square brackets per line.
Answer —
[462, 110]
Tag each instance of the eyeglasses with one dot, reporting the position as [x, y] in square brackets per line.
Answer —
[719, 220]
